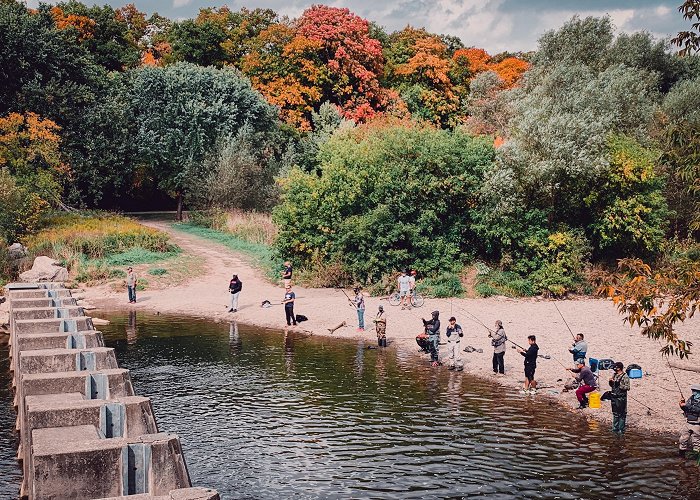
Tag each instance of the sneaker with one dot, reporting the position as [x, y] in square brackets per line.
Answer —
[403, 308]
[434, 363]
[459, 369]
[360, 329]
[235, 310]
[450, 367]
[533, 391]
[230, 310]
[523, 391]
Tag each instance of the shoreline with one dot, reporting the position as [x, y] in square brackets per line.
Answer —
[206, 297]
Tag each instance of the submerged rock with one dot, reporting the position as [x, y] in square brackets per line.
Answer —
[44, 269]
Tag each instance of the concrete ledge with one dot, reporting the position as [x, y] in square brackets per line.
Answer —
[115, 383]
[80, 340]
[52, 325]
[19, 304]
[67, 360]
[181, 494]
[47, 312]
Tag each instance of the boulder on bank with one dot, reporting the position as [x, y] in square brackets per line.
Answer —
[44, 269]
[17, 251]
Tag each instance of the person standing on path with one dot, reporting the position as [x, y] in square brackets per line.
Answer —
[530, 365]
[234, 287]
[498, 341]
[588, 382]
[689, 438]
[288, 302]
[432, 327]
[380, 326]
[579, 348]
[287, 274]
[131, 285]
[359, 303]
[620, 384]
[454, 333]
[405, 289]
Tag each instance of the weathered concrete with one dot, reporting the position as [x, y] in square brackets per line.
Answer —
[83, 432]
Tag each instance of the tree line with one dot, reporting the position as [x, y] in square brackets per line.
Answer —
[372, 150]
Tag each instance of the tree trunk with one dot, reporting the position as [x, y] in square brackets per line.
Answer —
[179, 207]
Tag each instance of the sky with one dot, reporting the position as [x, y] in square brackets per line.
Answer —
[495, 25]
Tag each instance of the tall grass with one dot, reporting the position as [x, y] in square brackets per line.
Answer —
[253, 227]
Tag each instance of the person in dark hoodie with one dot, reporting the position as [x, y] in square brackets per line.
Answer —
[235, 286]
[433, 331]
[530, 385]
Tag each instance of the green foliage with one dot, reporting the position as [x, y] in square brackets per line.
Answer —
[198, 42]
[561, 258]
[507, 283]
[138, 255]
[175, 135]
[387, 197]
[441, 285]
[629, 209]
[157, 271]
[20, 209]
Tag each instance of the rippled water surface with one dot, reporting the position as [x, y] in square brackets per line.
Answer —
[263, 415]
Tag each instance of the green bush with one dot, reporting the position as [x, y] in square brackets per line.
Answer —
[137, 256]
[485, 290]
[508, 283]
[440, 286]
[561, 258]
[157, 271]
[388, 196]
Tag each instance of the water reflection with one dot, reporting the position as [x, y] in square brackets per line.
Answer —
[266, 415]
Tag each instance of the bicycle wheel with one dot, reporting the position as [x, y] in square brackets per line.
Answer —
[417, 300]
[394, 299]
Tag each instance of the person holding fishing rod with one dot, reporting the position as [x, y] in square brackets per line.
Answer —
[588, 382]
[620, 385]
[579, 348]
[359, 303]
[498, 341]
[689, 438]
[530, 385]
[432, 328]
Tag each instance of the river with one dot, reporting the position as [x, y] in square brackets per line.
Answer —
[267, 415]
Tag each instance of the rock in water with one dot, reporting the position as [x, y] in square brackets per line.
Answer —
[44, 269]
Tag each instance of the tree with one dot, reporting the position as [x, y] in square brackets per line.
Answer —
[354, 59]
[689, 41]
[183, 110]
[198, 42]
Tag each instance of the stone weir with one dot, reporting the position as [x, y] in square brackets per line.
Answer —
[83, 433]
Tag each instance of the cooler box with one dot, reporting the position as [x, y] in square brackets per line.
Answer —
[635, 373]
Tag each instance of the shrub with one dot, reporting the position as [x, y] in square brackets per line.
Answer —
[508, 283]
[157, 271]
[442, 285]
[389, 196]
[562, 257]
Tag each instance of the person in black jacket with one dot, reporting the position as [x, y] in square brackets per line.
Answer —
[235, 286]
[530, 364]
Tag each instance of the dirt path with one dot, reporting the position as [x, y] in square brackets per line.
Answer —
[207, 296]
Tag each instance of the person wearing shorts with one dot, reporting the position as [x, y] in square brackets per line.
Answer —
[530, 385]
[405, 289]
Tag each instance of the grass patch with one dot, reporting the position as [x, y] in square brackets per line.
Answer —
[490, 282]
[444, 285]
[157, 271]
[138, 256]
[261, 255]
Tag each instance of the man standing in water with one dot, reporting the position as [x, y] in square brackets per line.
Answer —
[530, 365]
[690, 435]
[432, 327]
[498, 341]
[288, 302]
[234, 287]
[380, 326]
[131, 285]
[454, 334]
[620, 384]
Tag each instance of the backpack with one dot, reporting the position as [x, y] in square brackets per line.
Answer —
[605, 364]
[301, 317]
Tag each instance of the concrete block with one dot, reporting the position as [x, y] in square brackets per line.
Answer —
[42, 302]
[67, 360]
[57, 293]
[181, 494]
[85, 466]
[103, 384]
[79, 340]
[52, 325]
[47, 313]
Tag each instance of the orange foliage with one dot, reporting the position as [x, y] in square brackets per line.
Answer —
[498, 142]
[510, 70]
[154, 55]
[82, 24]
[476, 60]
[28, 138]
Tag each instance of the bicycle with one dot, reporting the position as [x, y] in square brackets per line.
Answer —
[417, 299]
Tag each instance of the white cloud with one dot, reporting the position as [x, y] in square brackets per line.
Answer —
[181, 3]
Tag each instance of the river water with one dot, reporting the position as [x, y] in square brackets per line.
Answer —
[264, 415]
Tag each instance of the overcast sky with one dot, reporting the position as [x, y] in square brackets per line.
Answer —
[495, 25]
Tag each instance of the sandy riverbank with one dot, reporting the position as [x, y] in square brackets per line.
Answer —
[207, 296]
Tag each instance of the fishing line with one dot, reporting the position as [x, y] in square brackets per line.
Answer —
[350, 302]
[649, 410]
[562, 317]
[674, 378]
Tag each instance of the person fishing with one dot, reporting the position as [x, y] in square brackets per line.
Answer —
[380, 326]
[498, 341]
[619, 384]
[287, 274]
[579, 348]
[588, 382]
[289, 298]
[454, 333]
[689, 438]
[433, 330]
[234, 287]
[359, 303]
[530, 385]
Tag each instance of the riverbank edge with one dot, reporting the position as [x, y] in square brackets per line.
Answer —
[599, 416]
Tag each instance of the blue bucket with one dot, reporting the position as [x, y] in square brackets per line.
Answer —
[635, 373]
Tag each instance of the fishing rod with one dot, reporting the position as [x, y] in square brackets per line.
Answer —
[562, 317]
[350, 302]
[674, 378]
[649, 410]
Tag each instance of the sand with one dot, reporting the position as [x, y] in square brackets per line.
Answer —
[207, 296]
